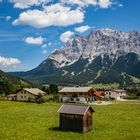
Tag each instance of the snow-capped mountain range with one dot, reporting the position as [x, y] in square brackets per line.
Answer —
[99, 42]
[105, 55]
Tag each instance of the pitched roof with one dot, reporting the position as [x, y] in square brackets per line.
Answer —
[75, 89]
[74, 109]
[34, 91]
[99, 93]
[12, 95]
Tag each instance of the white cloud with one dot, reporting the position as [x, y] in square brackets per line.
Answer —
[5, 62]
[35, 41]
[8, 18]
[22, 4]
[83, 28]
[49, 43]
[66, 36]
[81, 3]
[85, 3]
[104, 3]
[5, 17]
[120, 5]
[53, 15]
[44, 46]
[44, 51]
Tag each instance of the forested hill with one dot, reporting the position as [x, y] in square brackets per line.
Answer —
[10, 84]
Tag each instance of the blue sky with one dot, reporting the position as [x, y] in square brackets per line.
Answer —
[31, 30]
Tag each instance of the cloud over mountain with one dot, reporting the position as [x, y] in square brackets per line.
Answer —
[82, 29]
[66, 36]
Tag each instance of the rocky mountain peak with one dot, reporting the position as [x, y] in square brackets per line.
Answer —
[98, 42]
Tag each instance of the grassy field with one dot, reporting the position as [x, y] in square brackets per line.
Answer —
[105, 86]
[28, 121]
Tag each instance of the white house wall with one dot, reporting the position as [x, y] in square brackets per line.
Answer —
[115, 95]
[24, 96]
[77, 99]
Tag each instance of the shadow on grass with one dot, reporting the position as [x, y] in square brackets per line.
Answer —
[60, 130]
[55, 128]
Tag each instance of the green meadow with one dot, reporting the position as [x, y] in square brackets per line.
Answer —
[29, 121]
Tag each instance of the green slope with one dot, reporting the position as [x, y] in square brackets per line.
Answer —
[10, 84]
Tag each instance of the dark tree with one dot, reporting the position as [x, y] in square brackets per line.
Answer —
[53, 89]
[5, 87]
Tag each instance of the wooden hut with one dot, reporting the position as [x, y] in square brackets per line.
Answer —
[77, 118]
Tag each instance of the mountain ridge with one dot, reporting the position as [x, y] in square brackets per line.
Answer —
[103, 52]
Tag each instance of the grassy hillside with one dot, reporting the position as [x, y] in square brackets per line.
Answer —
[6, 76]
[40, 122]
[105, 71]
[10, 84]
[104, 86]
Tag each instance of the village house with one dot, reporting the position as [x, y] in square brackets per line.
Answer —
[99, 95]
[116, 94]
[77, 94]
[77, 118]
[29, 94]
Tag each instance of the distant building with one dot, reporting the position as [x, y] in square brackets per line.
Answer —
[77, 94]
[45, 86]
[29, 94]
[116, 94]
[77, 118]
[99, 95]
[12, 97]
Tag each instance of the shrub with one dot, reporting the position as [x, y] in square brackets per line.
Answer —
[3, 97]
[130, 97]
[30, 99]
[53, 89]
[48, 98]
[40, 100]
[56, 98]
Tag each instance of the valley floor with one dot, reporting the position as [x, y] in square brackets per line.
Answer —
[29, 121]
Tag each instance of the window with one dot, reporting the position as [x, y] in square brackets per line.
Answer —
[24, 96]
[77, 99]
[71, 99]
[21, 96]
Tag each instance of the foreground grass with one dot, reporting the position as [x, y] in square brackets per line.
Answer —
[26, 121]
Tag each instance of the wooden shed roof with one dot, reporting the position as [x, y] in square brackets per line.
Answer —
[75, 89]
[74, 109]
